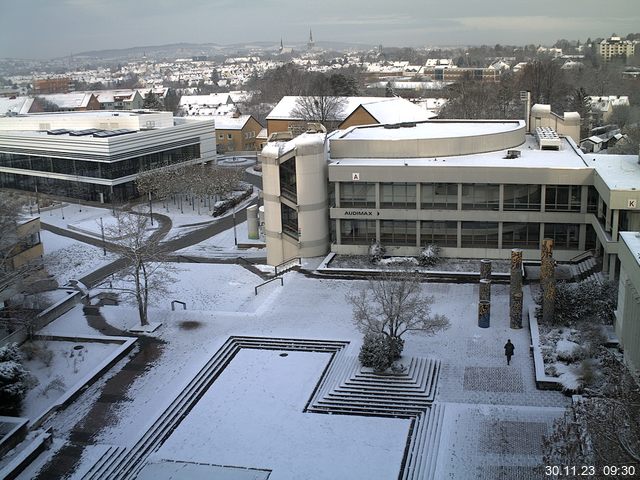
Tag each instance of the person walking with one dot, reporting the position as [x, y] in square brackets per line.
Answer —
[508, 350]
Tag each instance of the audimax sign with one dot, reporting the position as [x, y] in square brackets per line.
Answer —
[361, 213]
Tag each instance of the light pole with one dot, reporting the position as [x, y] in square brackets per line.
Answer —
[150, 209]
[235, 236]
[104, 246]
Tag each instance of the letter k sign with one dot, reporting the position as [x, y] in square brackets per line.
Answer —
[632, 203]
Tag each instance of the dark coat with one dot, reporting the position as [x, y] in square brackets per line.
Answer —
[508, 349]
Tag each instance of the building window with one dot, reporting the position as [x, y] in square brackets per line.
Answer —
[398, 195]
[592, 199]
[520, 235]
[439, 196]
[289, 221]
[479, 235]
[565, 198]
[522, 197]
[480, 196]
[357, 232]
[443, 234]
[398, 232]
[356, 194]
[229, 136]
[564, 235]
[288, 183]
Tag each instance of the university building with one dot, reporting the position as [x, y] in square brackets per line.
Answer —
[97, 155]
[477, 189]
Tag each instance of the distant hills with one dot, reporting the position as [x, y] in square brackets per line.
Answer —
[178, 50]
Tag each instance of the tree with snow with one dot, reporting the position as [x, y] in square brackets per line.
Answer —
[146, 267]
[393, 305]
[152, 102]
[601, 427]
[13, 380]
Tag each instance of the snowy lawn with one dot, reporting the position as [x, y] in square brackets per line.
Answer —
[252, 416]
[58, 366]
[225, 243]
[66, 259]
[222, 288]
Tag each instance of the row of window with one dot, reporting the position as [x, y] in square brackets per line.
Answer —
[68, 188]
[473, 234]
[474, 196]
[110, 170]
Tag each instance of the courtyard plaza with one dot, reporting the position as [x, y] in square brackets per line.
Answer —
[252, 417]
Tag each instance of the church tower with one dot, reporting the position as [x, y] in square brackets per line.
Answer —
[310, 45]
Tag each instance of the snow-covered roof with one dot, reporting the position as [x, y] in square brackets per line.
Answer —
[431, 130]
[384, 109]
[632, 240]
[619, 172]
[224, 122]
[397, 110]
[110, 96]
[69, 100]
[15, 105]
[212, 100]
[604, 103]
[530, 157]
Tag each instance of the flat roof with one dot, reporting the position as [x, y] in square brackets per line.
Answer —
[619, 172]
[632, 240]
[530, 157]
[430, 130]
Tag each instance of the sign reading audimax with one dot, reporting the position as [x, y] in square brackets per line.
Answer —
[361, 213]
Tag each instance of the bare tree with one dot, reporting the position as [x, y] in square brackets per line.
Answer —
[146, 270]
[325, 109]
[394, 305]
[601, 429]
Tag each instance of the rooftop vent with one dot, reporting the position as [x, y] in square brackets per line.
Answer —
[513, 154]
[400, 125]
[280, 136]
[547, 138]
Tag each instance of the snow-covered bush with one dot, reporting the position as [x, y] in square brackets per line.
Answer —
[376, 252]
[569, 351]
[375, 352]
[586, 300]
[13, 380]
[429, 255]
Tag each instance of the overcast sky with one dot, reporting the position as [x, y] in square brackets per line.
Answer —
[53, 28]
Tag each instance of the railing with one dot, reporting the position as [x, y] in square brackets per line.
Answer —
[582, 256]
[268, 281]
[287, 265]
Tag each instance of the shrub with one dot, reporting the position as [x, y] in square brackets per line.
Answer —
[587, 300]
[32, 350]
[375, 352]
[376, 252]
[13, 380]
[396, 345]
[429, 255]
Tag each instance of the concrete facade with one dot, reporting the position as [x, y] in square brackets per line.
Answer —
[628, 312]
[476, 189]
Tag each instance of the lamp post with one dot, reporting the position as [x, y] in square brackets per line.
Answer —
[235, 236]
[150, 209]
[104, 246]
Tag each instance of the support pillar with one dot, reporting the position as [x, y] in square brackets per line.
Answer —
[515, 289]
[485, 290]
[485, 269]
[484, 314]
[548, 281]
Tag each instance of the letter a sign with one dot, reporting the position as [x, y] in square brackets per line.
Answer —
[355, 177]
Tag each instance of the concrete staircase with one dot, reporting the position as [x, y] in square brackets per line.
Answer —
[121, 463]
[422, 454]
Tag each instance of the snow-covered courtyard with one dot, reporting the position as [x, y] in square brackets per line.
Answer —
[252, 415]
